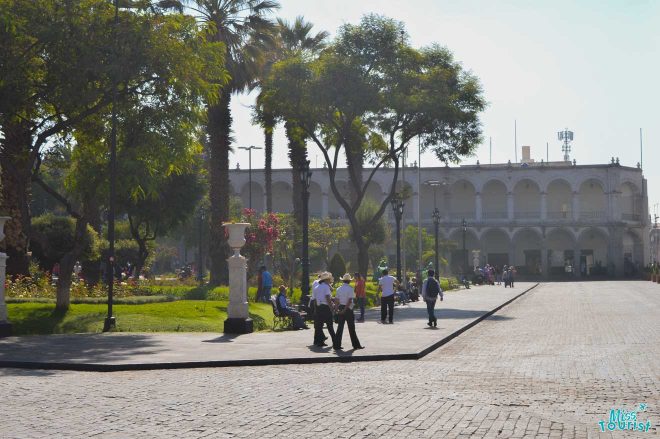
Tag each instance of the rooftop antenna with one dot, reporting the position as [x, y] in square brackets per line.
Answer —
[547, 152]
[515, 138]
[566, 137]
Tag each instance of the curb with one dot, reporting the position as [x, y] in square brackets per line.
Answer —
[92, 367]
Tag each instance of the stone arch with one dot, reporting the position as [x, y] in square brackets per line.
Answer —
[407, 190]
[282, 197]
[374, 191]
[334, 208]
[463, 195]
[495, 246]
[633, 253]
[630, 202]
[593, 244]
[560, 243]
[527, 199]
[315, 200]
[431, 197]
[559, 200]
[457, 257]
[257, 196]
[527, 245]
[593, 201]
[494, 200]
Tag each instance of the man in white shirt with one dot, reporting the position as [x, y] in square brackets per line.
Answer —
[322, 293]
[430, 292]
[386, 286]
[345, 296]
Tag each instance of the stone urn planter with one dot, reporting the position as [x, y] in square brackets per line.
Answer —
[238, 319]
[5, 326]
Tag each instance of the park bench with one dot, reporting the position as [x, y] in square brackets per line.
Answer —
[282, 321]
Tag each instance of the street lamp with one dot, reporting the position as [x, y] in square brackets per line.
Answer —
[397, 207]
[436, 224]
[465, 256]
[305, 176]
[200, 257]
[249, 150]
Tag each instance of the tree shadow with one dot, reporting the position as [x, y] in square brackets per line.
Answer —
[38, 320]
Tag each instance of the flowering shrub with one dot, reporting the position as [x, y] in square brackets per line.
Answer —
[260, 236]
[39, 286]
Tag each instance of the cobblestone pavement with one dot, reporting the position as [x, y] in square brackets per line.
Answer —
[552, 364]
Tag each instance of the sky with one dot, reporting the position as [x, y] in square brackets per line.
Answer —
[589, 66]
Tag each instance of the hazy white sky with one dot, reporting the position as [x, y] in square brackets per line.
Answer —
[591, 66]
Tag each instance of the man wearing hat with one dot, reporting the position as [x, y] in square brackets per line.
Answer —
[345, 297]
[322, 293]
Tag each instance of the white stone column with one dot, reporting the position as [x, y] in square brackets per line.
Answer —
[576, 206]
[324, 205]
[238, 319]
[5, 326]
[544, 206]
[509, 205]
[414, 206]
[477, 206]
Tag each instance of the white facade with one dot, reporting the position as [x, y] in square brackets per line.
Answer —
[540, 217]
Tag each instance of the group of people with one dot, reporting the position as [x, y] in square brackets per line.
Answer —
[491, 274]
[329, 309]
[341, 305]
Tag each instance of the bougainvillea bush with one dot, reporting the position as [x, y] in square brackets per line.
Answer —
[259, 237]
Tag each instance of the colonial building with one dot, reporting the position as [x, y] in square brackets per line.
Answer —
[547, 219]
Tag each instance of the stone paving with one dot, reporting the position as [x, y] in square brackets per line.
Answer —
[551, 364]
[407, 336]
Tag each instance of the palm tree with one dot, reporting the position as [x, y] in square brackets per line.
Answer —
[292, 39]
[243, 27]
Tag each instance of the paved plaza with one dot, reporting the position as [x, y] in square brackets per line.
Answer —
[551, 364]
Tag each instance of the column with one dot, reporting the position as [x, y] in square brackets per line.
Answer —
[415, 203]
[575, 202]
[544, 206]
[324, 204]
[265, 205]
[477, 207]
[544, 258]
[509, 205]
[576, 259]
[5, 327]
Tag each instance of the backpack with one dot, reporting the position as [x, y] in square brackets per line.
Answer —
[432, 288]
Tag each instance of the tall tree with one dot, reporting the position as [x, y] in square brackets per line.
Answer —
[243, 27]
[373, 100]
[159, 116]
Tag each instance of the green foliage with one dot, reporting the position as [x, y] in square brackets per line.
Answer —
[177, 316]
[52, 238]
[373, 232]
[337, 266]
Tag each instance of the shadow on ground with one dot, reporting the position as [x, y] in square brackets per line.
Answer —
[88, 348]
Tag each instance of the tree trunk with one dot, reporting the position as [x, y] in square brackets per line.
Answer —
[355, 164]
[219, 129]
[363, 257]
[92, 269]
[143, 254]
[16, 178]
[269, 126]
[297, 158]
[66, 266]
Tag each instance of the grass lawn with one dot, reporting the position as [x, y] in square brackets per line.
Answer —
[182, 315]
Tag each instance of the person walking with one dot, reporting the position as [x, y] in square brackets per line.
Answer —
[266, 284]
[360, 294]
[344, 297]
[430, 291]
[386, 288]
[323, 315]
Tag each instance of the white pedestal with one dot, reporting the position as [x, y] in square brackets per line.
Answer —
[238, 319]
[5, 326]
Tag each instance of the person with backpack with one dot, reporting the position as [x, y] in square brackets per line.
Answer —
[430, 291]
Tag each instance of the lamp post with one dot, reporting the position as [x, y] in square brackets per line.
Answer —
[110, 321]
[200, 256]
[249, 150]
[305, 176]
[436, 224]
[465, 258]
[397, 207]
